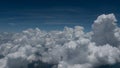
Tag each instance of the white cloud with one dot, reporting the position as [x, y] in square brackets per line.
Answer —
[104, 29]
[70, 48]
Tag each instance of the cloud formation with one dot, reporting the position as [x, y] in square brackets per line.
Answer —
[70, 48]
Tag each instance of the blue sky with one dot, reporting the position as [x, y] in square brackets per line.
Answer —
[17, 15]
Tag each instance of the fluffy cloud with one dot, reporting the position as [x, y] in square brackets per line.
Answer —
[104, 29]
[70, 48]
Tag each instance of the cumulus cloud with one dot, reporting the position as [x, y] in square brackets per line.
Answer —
[104, 29]
[70, 48]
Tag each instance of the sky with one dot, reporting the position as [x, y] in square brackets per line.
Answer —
[69, 47]
[17, 15]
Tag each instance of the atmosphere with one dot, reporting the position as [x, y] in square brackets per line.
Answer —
[17, 15]
[59, 34]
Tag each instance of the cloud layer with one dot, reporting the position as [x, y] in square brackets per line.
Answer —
[70, 48]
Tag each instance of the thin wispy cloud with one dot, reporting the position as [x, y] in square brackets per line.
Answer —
[12, 24]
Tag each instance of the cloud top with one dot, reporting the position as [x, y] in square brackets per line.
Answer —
[70, 48]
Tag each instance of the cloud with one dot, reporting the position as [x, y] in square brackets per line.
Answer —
[104, 29]
[70, 48]
[12, 24]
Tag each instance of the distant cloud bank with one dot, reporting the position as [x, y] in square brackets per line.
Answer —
[70, 48]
